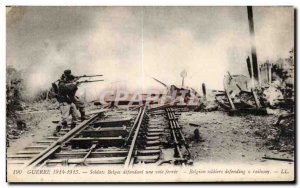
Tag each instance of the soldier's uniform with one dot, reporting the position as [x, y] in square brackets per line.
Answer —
[67, 88]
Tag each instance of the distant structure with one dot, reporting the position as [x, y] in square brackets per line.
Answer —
[183, 74]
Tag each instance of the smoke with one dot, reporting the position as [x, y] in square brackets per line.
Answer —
[275, 32]
[127, 43]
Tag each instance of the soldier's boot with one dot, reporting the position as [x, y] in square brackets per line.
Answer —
[73, 125]
[64, 125]
[58, 128]
[176, 154]
[82, 114]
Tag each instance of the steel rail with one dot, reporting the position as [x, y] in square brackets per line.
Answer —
[173, 128]
[57, 144]
[176, 133]
[128, 160]
[133, 126]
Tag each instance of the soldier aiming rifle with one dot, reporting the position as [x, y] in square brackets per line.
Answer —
[65, 90]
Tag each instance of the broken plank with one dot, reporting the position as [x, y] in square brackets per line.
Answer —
[255, 98]
[194, 125]
[229, 99]
[278, 159]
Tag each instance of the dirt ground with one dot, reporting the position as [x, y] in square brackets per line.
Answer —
[41, 122]
[230, 139]
[40, 130]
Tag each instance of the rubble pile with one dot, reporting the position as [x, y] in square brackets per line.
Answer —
[283, 135]
[276, 132]
[280, 92]
[271, 96]
[274, 97]
[207, 104]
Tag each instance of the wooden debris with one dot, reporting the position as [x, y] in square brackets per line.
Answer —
[194, 125]
[278, 159]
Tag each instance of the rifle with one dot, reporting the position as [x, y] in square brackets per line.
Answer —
[88, 76]
[88, 81]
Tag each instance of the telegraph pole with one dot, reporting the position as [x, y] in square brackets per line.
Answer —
[253, 47]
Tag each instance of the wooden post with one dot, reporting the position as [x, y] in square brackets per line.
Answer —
[269, 73]
[255, 98]
[204, 90]
[250, 69]
[229, 99]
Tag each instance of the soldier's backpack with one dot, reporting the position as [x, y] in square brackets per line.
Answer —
[55, 88]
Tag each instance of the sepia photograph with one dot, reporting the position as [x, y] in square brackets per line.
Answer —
[150, 94]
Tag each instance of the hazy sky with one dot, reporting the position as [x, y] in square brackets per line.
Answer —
[125, 43]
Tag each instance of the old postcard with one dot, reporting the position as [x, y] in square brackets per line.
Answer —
[150, 94]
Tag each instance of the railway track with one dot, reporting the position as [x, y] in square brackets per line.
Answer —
[181, 147]
[150, 137]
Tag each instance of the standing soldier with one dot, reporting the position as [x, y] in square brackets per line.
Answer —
[68, 102]
[68, 82]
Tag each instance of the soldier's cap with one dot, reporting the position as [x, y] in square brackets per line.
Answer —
[67, 72]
